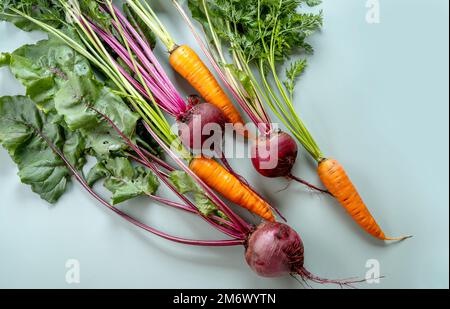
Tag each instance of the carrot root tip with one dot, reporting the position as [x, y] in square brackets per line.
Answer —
[398, 238]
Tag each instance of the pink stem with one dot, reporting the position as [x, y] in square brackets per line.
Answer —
[146, 48]
[156, 70]
[158, 93]
[145, 54]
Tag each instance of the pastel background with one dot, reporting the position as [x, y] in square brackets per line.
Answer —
[375, 96]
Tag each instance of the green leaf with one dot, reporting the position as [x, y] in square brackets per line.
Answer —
[124, 180]
[146, 140]
[47, 11]
[273, 30]
[97, 173]
[198, 12]
[312, 3]
[292, 74]
[22, 132]
[244, 79]
[185, 184]
[78, 102]
[75, 149]
[43, 68]
[206, 207]
[92, 10]
[5, 59]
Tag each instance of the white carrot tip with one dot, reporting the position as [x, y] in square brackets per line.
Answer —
[398, 238]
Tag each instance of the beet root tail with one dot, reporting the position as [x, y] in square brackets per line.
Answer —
[309, 185]
[307, 276]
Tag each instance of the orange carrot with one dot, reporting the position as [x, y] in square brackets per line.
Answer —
[219, 179]
[339, 184]
[189, 65]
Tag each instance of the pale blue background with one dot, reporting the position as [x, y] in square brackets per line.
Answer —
[374, 96]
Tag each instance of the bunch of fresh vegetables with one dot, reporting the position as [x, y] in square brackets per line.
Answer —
[261, 36]
[208, 170]
[69, 112]
[187, 63]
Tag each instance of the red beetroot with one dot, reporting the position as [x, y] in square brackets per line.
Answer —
[274, 155]
[276, 250]
[199, 123]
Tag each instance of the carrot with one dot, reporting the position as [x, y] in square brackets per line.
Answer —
[189, 65]
[219, 179]
[341, 187]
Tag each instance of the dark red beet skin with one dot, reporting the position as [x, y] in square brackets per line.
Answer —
[274, 250]
[192, 123]
[275, 155]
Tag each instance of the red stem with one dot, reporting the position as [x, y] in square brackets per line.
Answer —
[157, 160]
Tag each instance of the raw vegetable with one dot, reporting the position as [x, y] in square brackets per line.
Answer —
[262, 35]
[265, 242]
[228, 185]
[202, 118]
[275, 249]
[33, 140]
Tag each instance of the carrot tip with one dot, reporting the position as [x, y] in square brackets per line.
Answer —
[398, 238]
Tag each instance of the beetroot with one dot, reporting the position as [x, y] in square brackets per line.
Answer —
[276, 250]
[274, 155]
[200, 123]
